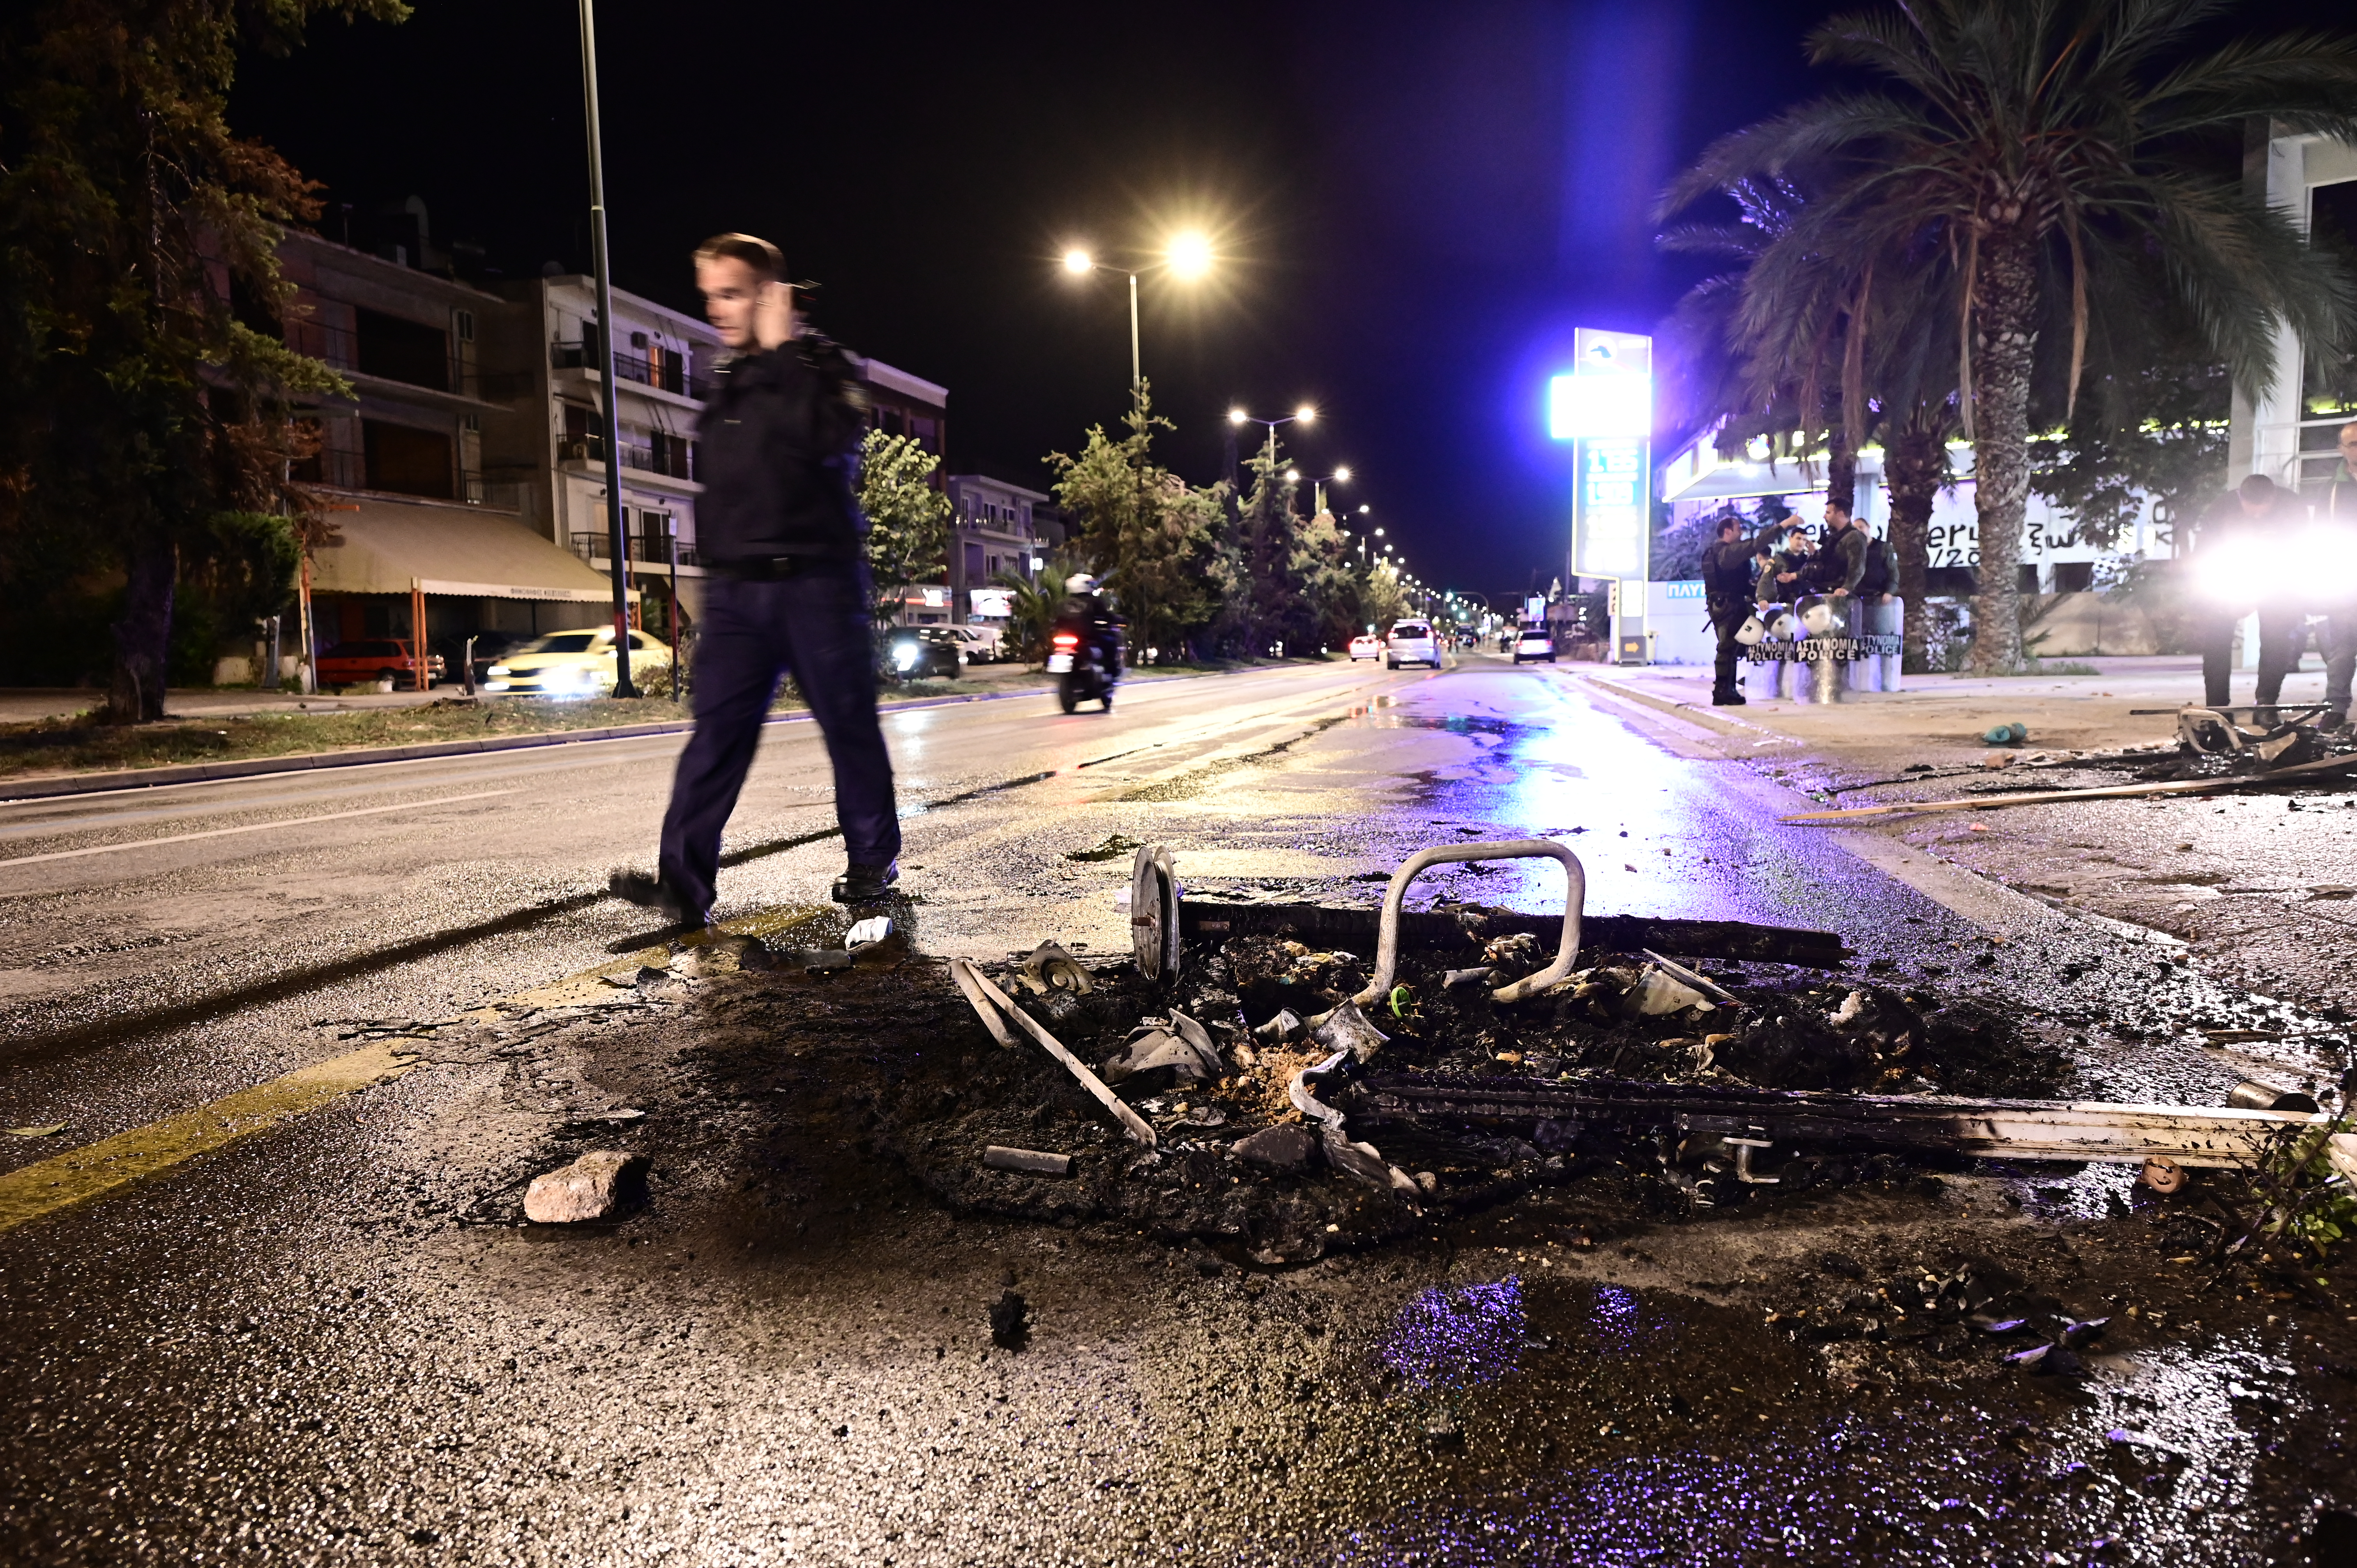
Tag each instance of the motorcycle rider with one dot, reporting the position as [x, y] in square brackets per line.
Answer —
[1087, 613]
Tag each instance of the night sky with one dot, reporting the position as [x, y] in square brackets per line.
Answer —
[1413, 205]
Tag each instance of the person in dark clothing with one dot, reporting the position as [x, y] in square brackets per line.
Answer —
[786, 587]
[1840, 564]
[2254, 516]
[1726, 594]
[1793, 564]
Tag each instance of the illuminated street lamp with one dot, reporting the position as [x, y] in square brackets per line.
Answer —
[1305, 415]
[1187, 258]
[1340, 475]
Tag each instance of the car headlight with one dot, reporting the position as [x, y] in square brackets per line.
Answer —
[904, 656]
[498, 671]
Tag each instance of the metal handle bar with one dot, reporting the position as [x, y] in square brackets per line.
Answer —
[1574, 899]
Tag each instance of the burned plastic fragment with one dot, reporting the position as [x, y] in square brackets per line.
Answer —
[1281, 1028]
[1348, 1029]
[1153, 1050]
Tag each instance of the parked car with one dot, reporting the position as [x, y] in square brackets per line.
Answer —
[1533, 643]
[916, 652]
[376, 659]
[1367, 647]
[1411, 642]
[980, 644]
[573, 664]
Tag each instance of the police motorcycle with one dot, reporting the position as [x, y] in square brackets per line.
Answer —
[1084, 647]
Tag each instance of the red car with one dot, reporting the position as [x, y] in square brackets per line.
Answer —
[378, 658]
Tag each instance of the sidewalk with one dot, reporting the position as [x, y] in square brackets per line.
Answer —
[1939, 719]
[2255, 886]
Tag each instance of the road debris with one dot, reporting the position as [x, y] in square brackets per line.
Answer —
[49, 1132]
[1348, 1029]
[1050, 968]
[989, 995]
[867, 932]
[598, 1185]
[1153, 898]
[1030, 1162]
[1276, 1149]
[1010, 1321]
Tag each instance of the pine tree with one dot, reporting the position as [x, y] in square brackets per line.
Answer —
[145, 386]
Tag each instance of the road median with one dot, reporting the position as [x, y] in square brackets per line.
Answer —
[267, 730]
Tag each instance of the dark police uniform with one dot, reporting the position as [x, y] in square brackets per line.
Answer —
[786, 593]
[1840, 564]
[1727, 594]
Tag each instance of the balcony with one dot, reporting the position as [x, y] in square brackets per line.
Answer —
[653, 552]
[420, 359]
[342, 470]
[673, 456]
[665, 373]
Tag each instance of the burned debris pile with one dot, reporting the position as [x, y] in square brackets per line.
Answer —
[1251, 1092]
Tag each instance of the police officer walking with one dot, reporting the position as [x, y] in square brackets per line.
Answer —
[786, 589]
[1727, 594]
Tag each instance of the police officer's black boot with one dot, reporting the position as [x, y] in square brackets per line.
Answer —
[866, 884]
[653, 893]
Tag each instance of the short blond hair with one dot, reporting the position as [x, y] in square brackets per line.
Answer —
[755, 252]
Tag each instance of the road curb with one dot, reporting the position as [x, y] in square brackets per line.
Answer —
[1709, 718]
[304, 762]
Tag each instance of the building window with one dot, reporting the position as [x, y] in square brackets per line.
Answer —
[464, 320]
[406, 352]
[405, 460]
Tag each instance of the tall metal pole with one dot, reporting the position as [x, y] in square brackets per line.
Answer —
[1136, 373]
[617, 540]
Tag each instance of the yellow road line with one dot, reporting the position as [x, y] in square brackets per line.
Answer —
[250, 827]
[64, 1180]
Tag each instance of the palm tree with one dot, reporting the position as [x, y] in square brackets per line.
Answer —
[2030, 150]
[1791, 350]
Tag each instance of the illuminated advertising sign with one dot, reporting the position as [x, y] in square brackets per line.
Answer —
[1609, 509]
[1605, 405]
[992, 602]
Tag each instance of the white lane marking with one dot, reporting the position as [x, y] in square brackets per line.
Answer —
[326, 789]
[255, 827]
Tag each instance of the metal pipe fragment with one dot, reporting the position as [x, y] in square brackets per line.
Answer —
[1030, 1162]
[1136, 1125]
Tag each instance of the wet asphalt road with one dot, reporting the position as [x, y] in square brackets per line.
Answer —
[278, 1353]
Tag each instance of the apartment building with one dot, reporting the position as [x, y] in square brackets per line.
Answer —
[466, 478]
[424, 531]
[554, 451]
[996, 530]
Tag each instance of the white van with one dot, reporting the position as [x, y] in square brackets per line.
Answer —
[1411, 642]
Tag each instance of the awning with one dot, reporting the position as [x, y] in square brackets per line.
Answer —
[396, 547]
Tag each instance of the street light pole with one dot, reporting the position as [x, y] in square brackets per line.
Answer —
[1137, 368]
[615, 538]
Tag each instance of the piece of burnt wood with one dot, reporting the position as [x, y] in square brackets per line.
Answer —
[1427, 929]
[1994, 1129]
